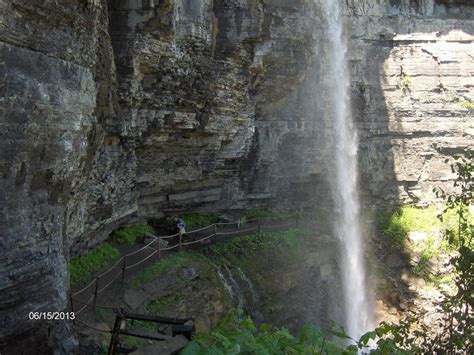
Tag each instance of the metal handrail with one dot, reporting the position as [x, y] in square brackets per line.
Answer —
[199, 240]
[111, 268]
[141, 261]
[143, 248]
[201, 229]
[238, 231]
[84, 288]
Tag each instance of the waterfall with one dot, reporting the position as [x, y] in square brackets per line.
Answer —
[242, 292]
[230, 285]
[226, 284]
[357, 313]
[253, 306]
[235, 287]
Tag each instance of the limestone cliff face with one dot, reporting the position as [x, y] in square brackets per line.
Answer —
[49, 65]
[117, 111]
[411, 61]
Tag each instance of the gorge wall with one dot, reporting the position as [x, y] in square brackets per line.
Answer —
[118, 111]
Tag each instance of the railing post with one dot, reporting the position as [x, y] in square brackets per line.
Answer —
[123, 267]
[159, 248]
[180, 241]
[215, 228]
[258, 220]
[95, 291]
[115, 334]
[238, 223]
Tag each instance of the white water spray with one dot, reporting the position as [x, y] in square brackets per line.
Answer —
[347, 224]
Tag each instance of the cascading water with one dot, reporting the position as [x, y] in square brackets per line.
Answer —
[253, 305]
[347, 227]
[242, 292]
[231, 285]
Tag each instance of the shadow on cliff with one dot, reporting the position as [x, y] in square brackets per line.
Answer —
[387, 139]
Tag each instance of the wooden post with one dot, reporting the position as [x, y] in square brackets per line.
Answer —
[115, 334]
[95, 291]
[238, 223]
[258, 224]
[159, 248]
[215, 229]
[123, 267]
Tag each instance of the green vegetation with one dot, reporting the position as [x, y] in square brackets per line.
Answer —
[397, 224]
[454, 331]
[156, 307]
[432, 248]
[200, 220]
[393, 227]
[235, 335]
[129, 234]
[466, 104]
[164, 265]
[246, 246]
[82, 268]
[458, 306]
[235, 248]
[260, 213]
[405, 82]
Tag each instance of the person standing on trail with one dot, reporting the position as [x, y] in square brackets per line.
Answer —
[181, 226]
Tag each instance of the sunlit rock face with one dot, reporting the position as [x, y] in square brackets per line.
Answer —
[116, 111]
[411, 62]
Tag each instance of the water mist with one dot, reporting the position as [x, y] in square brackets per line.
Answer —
[357, 313]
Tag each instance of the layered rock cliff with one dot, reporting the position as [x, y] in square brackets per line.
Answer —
[118, 111]
[412, 65]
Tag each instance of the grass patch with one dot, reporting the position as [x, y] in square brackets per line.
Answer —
[129, 234]
[396, 225]
[392, 228]
[83, 267]
[200, 220]
[249, 245]
[166, 264]
[399, 223]
[428, 252]
[156, 307]
[246, 245]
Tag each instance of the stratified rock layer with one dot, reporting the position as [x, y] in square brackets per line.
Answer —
[117, 111]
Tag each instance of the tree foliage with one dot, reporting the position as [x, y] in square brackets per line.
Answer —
[453, 331]
[457, 333]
